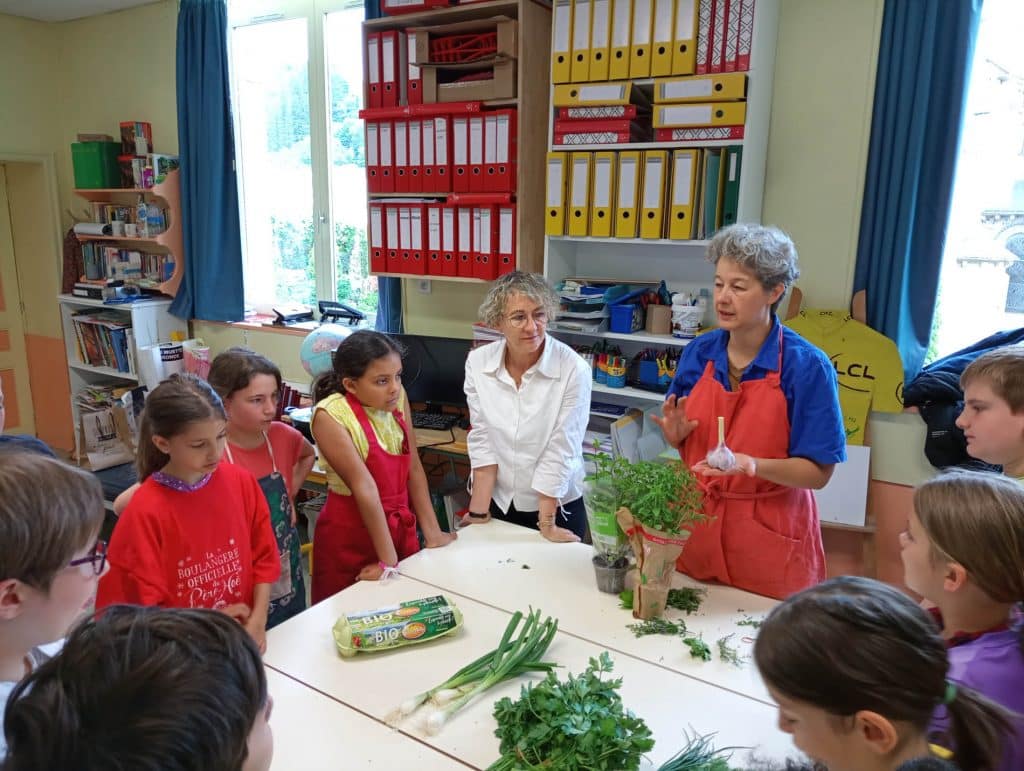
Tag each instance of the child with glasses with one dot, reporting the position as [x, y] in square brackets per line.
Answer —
[50, 558]
[529, 405]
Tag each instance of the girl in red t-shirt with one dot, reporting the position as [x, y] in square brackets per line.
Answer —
[276, 454]
[196, 533]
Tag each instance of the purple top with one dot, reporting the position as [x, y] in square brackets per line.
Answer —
[992, 665]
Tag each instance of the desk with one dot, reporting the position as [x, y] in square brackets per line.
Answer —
[659, 683]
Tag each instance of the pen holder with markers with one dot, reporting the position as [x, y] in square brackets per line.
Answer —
[616, 372]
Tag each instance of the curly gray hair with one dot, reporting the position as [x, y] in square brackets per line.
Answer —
[531, 285]
[764, 250]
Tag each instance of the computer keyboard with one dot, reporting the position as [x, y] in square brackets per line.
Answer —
[441, 421]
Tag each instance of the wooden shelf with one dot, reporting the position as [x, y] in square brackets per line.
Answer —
[418, 277]
[127, 239]
[647, 145]
[448, 15]
[90, 302]
[642, 241]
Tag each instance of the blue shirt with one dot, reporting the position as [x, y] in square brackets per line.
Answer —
[808, 381]
[24, 443]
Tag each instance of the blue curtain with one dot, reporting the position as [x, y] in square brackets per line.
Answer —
[924, 67]
[212, 287]
[389, 290]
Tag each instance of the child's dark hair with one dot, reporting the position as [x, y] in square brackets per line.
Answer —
[352, 358]
[176, 402]
[235, 368]
[49, 511]
[852, 644]
[140, 688]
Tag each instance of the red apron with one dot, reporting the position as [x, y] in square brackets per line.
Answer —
[764, 537]
[342, 545]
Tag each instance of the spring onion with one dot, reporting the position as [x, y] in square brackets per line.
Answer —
[700, 754]
[516, 654]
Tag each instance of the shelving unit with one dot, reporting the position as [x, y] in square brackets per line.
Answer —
[171, 241]
[532, 68]
[151, 323]
[679, 263]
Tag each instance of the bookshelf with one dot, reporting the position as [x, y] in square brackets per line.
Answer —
[680, 263]
[171, 241]
[149, 322]
[532, 57]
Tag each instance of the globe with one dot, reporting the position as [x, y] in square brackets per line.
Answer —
[319, 346]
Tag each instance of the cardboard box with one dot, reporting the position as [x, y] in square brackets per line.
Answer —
[438, 85]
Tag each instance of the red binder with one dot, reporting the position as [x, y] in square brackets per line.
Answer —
[460, 154]
[476, 153]
[386, 147]
[373, 180]
[464, 240]
[435, 263]
[443, 154]
[415, 128]
[506, 240]
[404, 239]
[414, 80]
[504, 177]
[378, 257]
[389, 68]
[373, 86]
[393, 262]
[428, 180]
[401, 129]
[449, 234]
[417, 254]
[485, 265]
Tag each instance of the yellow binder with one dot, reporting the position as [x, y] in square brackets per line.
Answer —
[723, 87]
[600, 38]
[602, 192]
[554, 222]
[628, 175]
[640, 40]
[579, 194]
[576, 94]
[622, 34]
[684, 39]
[708, 114]
[652, 201]
[680, 211]
[579, 70]
[561, 41]
[661, 37]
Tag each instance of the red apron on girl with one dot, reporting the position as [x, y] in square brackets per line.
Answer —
[764, 537]
[341, 544]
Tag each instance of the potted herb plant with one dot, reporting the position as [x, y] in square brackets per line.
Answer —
[661, 504]
[602, 500]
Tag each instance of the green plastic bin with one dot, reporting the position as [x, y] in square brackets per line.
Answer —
[95, 164]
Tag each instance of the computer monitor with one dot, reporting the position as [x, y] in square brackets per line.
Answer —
[434, 369]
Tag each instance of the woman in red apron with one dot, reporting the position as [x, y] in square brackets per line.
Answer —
[377, 491]
[779, 398]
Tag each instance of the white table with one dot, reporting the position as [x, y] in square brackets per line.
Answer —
[661, 683]
[487, 564]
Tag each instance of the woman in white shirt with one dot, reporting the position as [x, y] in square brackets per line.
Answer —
[529, 404]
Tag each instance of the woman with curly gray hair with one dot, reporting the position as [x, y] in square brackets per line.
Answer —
[779, 399]
[529, 403]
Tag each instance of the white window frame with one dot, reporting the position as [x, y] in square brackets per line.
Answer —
[242, 13]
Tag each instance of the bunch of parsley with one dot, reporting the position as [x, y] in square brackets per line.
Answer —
[576, 725]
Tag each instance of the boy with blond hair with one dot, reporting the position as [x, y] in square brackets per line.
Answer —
[993, 415]
[50, 558]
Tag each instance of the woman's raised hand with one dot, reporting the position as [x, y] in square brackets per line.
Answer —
[673, 421]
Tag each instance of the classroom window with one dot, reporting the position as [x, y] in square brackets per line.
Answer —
[296, 90]
[981, 284]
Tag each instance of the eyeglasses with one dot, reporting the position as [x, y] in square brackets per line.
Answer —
[97, 558]
[518, 320]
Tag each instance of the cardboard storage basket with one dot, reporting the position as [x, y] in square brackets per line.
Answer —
[441, 78]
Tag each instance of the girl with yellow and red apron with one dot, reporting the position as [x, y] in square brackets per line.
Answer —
[342, 546]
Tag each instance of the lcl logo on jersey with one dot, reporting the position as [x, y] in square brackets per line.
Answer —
[853, 369]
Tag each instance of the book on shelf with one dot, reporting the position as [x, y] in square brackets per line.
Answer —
[102, 339]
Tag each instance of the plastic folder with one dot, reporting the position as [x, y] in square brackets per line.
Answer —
[732, 158]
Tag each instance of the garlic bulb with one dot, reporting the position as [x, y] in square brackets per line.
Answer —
[721, 457]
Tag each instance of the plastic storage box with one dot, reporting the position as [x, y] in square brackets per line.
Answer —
[95, 164]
